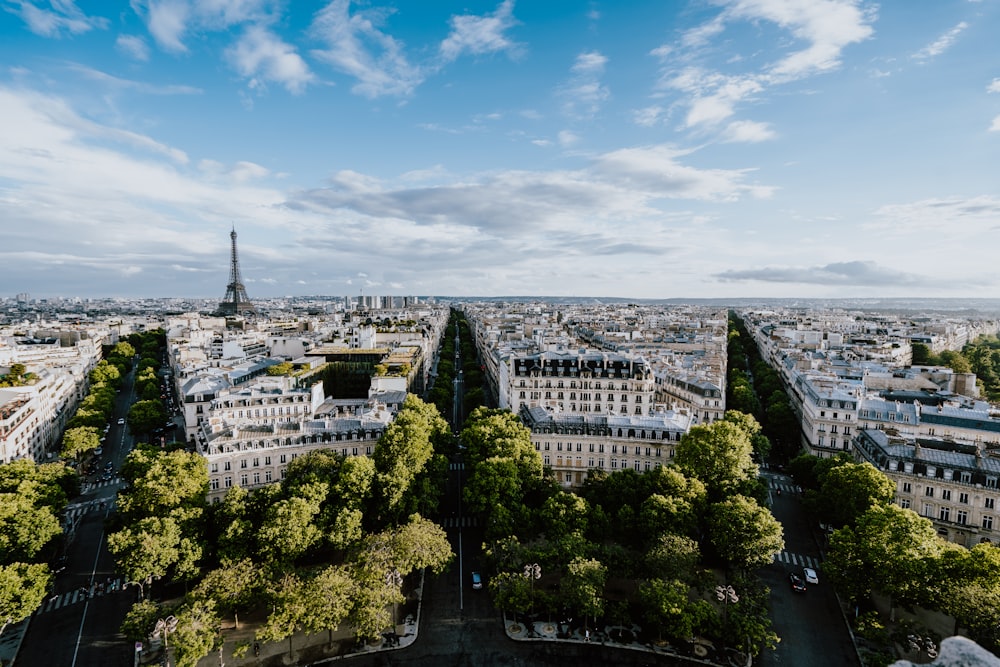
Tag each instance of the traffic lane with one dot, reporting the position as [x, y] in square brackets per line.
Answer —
[811, 626]
[795, 522]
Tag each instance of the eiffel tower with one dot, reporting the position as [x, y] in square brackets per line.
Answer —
[236, 301]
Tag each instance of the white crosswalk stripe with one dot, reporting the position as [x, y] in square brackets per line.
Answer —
[796, 559]
[459, 522]
[78, 595]
[456, 466]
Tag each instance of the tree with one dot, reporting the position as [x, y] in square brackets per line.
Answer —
[23, 586]
[284, 368]
[141, 620]
[718, 454]
[232, 586]
[921, 354]
[667, 605]
[673, 557]
[562, 514]
[511, 592]
[79, 441]
[583, 587]
[146, 550]
[289, 609]
[289, 530]
[744, 534]
[847, 491]
[160, 482]
[26, 525]
[329, 596]
[891, 549]
[145, 416]
[198, 632]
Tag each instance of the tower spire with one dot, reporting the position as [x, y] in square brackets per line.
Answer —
[236, 301]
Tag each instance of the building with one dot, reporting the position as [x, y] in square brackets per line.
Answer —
[953, 484]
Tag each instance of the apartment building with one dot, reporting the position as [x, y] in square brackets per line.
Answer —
[953, 484]
[252, 454]
[572, 445]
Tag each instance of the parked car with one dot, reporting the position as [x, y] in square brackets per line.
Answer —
[810, 575]
[798, 585]
[477, 580]
[121, 420]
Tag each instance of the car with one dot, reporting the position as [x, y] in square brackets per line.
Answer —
[810, 575]
[98, 451]
[798, 585]
[477, 580]
[121, 420]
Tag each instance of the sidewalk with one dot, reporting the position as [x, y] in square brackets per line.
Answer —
[307, 650]
[10, 641]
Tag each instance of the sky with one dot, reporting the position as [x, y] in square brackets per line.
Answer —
[642, 149]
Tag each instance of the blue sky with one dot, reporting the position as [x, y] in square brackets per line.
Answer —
[648, 149]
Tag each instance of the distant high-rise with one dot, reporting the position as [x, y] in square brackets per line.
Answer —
[236, 301]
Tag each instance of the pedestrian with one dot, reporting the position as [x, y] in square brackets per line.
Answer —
[586, 635]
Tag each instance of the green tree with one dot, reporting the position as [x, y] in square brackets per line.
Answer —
[921, 354]
[511, 591]
[233, 586]
[284, 368]
[146, 550]
[583, 587]
[140, 620]
[198, 632]
[79, 441]
[26, 525]
[23, 586]
[145, 416]
[847, 491]
[289, 530]
[744, 534]
[673, 557]
[718, 454]
[668, 606]
[889, 549]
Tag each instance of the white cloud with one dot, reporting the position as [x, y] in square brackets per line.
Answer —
[64, 17]
[567, 138]
[356, 47]
[649, 116]
[117, 83]
[584, 94]
[994, 86]
[481, 34]
[995, 125]
[260, 55]
[826, 27]
[167, 21]
[132, 46]
[748, 131]
[941, 44]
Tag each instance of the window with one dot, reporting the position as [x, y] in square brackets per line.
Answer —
[944, 514]
[961, 517]
[283, 458]
[256, 477]
[214, 483]
[547, 445]
[228, 481]
[963, 498]
[614, 463]
[256, 462]
[988, 522]
[928, 510]
[569, 477]
[990, 503]
[546, 460]
[907, 487]
[929, 492]
[945, 494]
[243, 463]
[267, 476]
[905, 503]
[215, 467]
[244, 480]
[227, 465]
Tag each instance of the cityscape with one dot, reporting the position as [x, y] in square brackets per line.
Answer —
[499, 333]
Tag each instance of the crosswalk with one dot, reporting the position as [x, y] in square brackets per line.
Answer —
[79, 595]
[460, 522]
[796, 559]
[456, 466]
[90, 486]
[75, 512]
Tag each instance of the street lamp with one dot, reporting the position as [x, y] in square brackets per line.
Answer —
[727, 595]
[532, 571]
[165, 626]
[395, 579]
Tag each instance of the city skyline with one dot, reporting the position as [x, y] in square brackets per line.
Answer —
[705, 149]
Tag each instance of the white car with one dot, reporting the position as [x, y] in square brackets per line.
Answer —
[810, 575]
[121, 421]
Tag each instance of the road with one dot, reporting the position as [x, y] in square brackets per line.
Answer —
[812, 629]
[78, 626]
